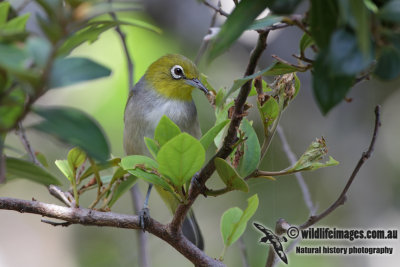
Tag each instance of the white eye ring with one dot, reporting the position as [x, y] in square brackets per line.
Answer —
[177, 72]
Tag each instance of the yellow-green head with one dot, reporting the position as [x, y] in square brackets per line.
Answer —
[175, 77]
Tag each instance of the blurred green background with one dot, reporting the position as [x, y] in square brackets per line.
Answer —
[373, 200]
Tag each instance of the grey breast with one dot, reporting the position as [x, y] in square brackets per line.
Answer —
[143, 112]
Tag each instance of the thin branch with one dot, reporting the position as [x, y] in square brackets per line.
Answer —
[217, 9]
[27, 145]
[229, 141]
[129, 61]
[97, 218]
[60, 195]
[63, 224]
[144, 255]
[292, 159]
[342, 197]
[207, 37]
[243, 252]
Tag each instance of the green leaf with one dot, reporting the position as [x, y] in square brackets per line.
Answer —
[131, 162]
[100, 167]
[68, 71]
[76, 128]
[122, 188]
[207, 139]
[229, 176]
[252, 152]
[76, 157]
[39, 48]
[310, 160]
[276, 68]
[152, 146]
[269, 110]
[265, 88]
[65, 168]
[388, 65]
[152, 178]
[297, 85]
[180, 158]
[11, 108]
[283, 6]
[16, 25]
[234, 221]
[345, 56]
[165, 130]
[329, 89]
[390, 11]
[4, 8]
[371, 6]
[219, 98]
[361, 16]
[17, 168]
[15, 61]
[238, 21]
[323, 17]
[229, 220]
[305, 41]
[263, 23]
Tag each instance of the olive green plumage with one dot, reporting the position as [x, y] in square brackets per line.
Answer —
[165, 89]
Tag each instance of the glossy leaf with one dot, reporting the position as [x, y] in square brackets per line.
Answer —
[180, 158]
[269, 111]
[39, 48]
[68, 71]
[76, 157]
[329, 89]
[263, 23]
[276, 68]
[305, 42]
[151, 178]
[234, 221]
[11, 108]
[345, 56]
[15, 25]
[252, 152]
[388, 65]
[229, 176]
[101, 166]
[76, 128]
[17, 168]
[165, 130]
[323, 20]
[152, 146]
[238, 21]
[207, 139]
[65, 168]
[15, 61]
[390, 11]
[122, 188]
[4, 8]
[131, 162]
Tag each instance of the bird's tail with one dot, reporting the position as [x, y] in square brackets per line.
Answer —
[191, 230]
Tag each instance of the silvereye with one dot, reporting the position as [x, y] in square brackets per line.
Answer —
[165, 89]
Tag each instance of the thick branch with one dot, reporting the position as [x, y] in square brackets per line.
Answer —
[342, 198]
[111, 219]
[230, 139]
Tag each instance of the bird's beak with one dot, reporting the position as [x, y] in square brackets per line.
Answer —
[196, 83]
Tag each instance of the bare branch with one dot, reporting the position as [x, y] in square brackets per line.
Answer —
[217, 9]
[292, 159]
[97, 218]
[230, 138]
[63, 224]
[24, 140]
[129, 61]
[342, 197]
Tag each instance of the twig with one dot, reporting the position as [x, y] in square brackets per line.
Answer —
[292, 159]
[243, 252]
[144, 256]
[110, 219]
[27, 145]
[342, 197]
[129, 61]
[60, 195]
[207, 38]
[229, 141]
[217, 9]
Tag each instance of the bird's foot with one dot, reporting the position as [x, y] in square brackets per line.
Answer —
[144, 216]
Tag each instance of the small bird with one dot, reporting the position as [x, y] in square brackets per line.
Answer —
[165, 89]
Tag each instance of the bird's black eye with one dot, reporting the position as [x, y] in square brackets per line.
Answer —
[177, 72]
